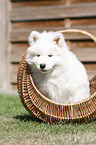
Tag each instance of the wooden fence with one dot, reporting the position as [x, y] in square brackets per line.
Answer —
[28, 15]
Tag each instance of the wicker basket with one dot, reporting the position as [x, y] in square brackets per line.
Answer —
[47, 110]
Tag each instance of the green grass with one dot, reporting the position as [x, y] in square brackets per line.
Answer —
[19, 128]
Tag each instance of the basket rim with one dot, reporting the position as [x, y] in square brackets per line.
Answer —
[78, 31]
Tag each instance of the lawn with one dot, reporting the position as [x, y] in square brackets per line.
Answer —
[17, 127]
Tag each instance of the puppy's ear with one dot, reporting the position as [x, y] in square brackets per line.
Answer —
[33, 37]
[59, 40]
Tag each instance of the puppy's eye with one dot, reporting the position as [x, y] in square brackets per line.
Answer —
[38, 55]
[50, 55]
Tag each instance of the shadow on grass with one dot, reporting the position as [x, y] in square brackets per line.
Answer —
[25, 118]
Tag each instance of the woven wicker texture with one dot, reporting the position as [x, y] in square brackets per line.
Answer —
[47, 110]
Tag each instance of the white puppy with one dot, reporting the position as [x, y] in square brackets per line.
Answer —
[56, 71]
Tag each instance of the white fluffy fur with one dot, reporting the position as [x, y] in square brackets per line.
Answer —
[64, 78]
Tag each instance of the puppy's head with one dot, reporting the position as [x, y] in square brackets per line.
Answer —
[45, 50]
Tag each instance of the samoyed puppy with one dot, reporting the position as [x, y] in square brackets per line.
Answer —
[56, 71]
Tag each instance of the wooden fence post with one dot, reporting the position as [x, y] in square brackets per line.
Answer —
[4, 64]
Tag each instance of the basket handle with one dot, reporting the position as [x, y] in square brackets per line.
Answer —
[78, 31]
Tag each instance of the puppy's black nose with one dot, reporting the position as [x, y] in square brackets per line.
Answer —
[42, 66]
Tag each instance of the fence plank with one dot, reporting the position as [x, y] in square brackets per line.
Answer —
[91, 22]
[86, 55]
[82, 44]
[53, 12]
[37, 24]
[82, 1]
[79, 23]
[36, 3]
